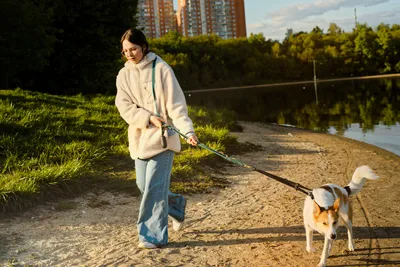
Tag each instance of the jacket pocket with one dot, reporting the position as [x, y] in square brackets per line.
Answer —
[147, 89]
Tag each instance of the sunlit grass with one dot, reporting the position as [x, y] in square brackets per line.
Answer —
[56, 145]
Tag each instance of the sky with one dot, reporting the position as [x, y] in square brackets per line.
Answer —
[274, 17]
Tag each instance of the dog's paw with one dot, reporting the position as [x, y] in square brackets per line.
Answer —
[321, 264]
[311, 249]
[351, 248]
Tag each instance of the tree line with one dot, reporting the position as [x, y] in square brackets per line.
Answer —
[69, 47]
[61, 46]
[209, 61]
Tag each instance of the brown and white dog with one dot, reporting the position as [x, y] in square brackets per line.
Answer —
[330, 208]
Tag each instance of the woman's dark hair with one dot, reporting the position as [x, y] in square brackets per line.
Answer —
[137, 37]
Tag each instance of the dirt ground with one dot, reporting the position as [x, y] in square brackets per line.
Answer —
[255, 221]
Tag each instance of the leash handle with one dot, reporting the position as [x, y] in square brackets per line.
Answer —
[163, 138]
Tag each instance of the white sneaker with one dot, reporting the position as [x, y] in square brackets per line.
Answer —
[177, 226]
[146, 245]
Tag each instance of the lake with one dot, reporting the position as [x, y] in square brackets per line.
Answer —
[365, 110]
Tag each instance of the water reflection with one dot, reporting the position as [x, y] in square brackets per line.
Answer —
[370, 106]
[386, 137]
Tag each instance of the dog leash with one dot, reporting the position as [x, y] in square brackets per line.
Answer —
[296, 186]
[153, 85]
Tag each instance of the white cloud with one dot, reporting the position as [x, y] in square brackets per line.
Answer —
[375, 18]
[321, 13]
[302, 11]
[277, 30]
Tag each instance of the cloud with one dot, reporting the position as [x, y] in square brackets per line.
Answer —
[302, 11]
[277, 29]
[386, 16]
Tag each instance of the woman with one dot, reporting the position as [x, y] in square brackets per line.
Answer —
[145, 112]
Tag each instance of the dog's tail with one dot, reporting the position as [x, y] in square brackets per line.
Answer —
[360, 176]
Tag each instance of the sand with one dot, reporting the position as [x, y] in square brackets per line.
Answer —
[255, 221]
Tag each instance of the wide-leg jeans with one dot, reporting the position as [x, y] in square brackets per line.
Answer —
[153, 178]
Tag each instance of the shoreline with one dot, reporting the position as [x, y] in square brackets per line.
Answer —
[293, 83]
[343, 138]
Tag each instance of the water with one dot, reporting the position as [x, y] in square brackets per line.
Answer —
[365, 110]
[383, 136]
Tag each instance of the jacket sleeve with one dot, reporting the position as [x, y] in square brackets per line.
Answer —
[176, 103]
[128, 109]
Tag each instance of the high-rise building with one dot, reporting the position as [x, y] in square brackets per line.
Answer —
[225, 18]
[156, 17]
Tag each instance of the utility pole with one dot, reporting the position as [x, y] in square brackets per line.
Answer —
[315, 83]
[355, 18]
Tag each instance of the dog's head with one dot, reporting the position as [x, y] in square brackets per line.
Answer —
[327, 220]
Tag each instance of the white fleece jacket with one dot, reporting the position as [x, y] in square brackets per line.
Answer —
[135, 103]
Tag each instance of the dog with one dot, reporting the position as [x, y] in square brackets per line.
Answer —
[328, 207]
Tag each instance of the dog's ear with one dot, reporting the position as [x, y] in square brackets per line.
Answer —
[336, 205]
[316, 208]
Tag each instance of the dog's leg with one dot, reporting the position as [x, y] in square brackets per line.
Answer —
[346, 219]
[330, 247]
[349, 226]
[325, 252]
[309, 239]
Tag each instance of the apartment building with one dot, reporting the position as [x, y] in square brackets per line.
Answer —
[225, 18]
[156, 17]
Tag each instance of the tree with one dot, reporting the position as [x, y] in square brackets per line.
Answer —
[63, 46]
[87, 53]
[317, 30]
[365, 47]
[289, 32]
[26, 40]
[385, 48]
[258, 42]
[334, 29]
[275, 49]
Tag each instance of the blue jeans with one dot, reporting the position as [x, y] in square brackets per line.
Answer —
[153, 177]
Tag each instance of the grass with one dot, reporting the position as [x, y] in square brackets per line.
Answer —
[52, 146]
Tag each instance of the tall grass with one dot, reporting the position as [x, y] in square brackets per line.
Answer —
[55, 145]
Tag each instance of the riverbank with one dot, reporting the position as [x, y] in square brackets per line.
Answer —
[253, 221]
[294, 83]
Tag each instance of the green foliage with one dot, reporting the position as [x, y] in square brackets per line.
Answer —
[63, 46]
[209, 61]
[27, 38]
[48, 140]
[54, 145]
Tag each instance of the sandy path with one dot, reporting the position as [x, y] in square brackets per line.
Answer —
[254, 222]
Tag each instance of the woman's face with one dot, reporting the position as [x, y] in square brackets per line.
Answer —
[132, 51]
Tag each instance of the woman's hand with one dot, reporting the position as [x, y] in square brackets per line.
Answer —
[156, 121]
[192, 139]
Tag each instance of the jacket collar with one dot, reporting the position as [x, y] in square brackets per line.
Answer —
[146, 60]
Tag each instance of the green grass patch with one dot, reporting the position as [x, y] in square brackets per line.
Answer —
[53, 146]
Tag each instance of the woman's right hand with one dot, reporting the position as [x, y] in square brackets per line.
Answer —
[156, 121]
[192, 139]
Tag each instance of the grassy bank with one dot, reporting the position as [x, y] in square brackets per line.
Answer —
[53, 146]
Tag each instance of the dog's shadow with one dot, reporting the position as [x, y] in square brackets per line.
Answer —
[358, 233]
[297, 233]
[366, 253]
